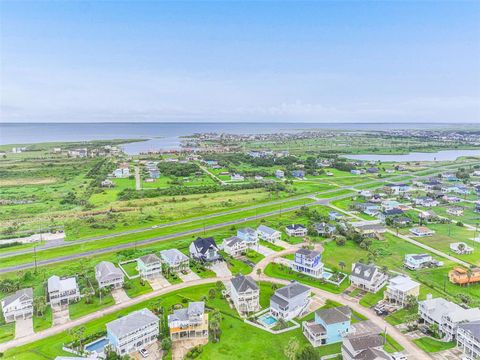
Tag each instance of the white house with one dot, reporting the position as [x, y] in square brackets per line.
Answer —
[133, 332]
[417, 261]
[175, 260]
[18, 305]
[447, 315]
[400, 288]
[249, 235]
[149, 266]
[62, 291]
[108, 275]
[268, 234]
[461, 248]
[245, 294]
[237, 177]
[188, 323]
[468, 339]
[234, 246]
[367, 277]
[421, 231]
[296, 230]
[290, 301]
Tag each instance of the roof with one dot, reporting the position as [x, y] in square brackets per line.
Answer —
[248, 231]
[473, 327]
[150, 259]
[194, 309]
[315, 328]
[295, 227]
[372, 354]
[243, 283]
[278, 300]
[334, 315]
[56, 284]
[364, 271]
[203, 244]
[131, 322]
[107, 269]
[363, 342]
[310, 254]
[266, 229]
[418, 256]
[292, 290]
[23, 293]
[173, 256]
[402, 283]
[438, 307]
[232, 240]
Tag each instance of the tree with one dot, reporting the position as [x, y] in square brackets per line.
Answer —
[212, 293]
[166, 343]
[39, 305]
[307, 353]
[341, 264]
[410, 302]
[259, 271]
[434, 330]
[214, 324]
[291, 349]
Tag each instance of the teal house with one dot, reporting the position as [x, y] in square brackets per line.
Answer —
[329, 326]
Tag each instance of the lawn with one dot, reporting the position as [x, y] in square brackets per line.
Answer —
[7, 331]
[370, 299]
[81, 308]
[136, 287]
[401, 316]
[392, 346]
[43, 322]
[270, 245]
[236, 266]
[432, 345]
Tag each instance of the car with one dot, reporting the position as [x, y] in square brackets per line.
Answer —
[144, 353]
[154, 226]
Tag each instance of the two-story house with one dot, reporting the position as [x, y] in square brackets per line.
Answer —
[290, 301]
[108, 275]
[296, 230]
[400, 289]
[205, 249]
[329, 326]
[248, 235]
[149, 266]
[189, 323]
[245, 294]
[364, 346]
[308, 262]
[468, 339]
[417, 261]
[62, 291]
[324, 229]
[367, 277]
[268, 234]
[133, 332]
[234, 246]
[18, 305]
[175, 260]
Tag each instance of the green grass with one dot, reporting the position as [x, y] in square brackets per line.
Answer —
[254, 256]
[81, 308]
[401, 316]
[370, 299]
[392, 346]
[431, 345]
[271, 246]
[43, 322]
[136, 287]
[7, 331]
[130, 268]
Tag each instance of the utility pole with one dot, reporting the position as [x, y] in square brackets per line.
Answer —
[35, 256]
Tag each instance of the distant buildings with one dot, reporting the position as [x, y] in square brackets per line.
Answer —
[249, 235]
[245, 294]
[279, 174]
[122, 171]
[133, 332]
[308, 262]
[108, 275]
[205, 249]
[268, 234]
[298, 174]
[329, 326]
[234, 246]
[62, 291]
[367, 277]
[237, 177]
[296, 230]
[290, 301]
[189, 323]
[400, 288]
[18, 305]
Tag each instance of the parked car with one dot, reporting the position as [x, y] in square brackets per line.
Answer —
[144, 353]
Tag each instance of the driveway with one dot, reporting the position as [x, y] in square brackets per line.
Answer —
[265, 251]
[23, 327]
[119, 295]
[188, 277]
[154, 352]
[221, 269]
[451, 354]
[181, 347]
[158, 283]
[60, 315]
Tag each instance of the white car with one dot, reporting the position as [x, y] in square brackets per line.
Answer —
[144, 353]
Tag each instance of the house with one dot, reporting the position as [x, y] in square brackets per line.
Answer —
[149, 266]
[364, 347]
[368, 208]
[432, 184]
[401, 221]
[468, 339]
[425, 201]
[329, 326]
[390, 204]
[248, 235]
[296, 230]
[189, 323]
[400, 289]
[205, 249]
[324, 229]
[290, 301]
[18, 305]
[417, 261]
[367, 277]
[308, 262]
[175, 260]
[258, 177]
[462, 190]
[62, 291]
[245, 294]
[421, 231]
[461, 248]
[268, 234]
[234, 246]
[396, 189]
[455, 211]
[298, 174]
[237, 177]
[372, 170]
[366, 194]
[451, 199]
[447, 315]
[122, 171]
[108, 275]
[107, 183]
[279, 174]
[154, 173]
[355, 172]
[370, 229]
[461, 276]
[334, 216]
[477, 207]
[428, 215]
[133, 332]
[390, 213]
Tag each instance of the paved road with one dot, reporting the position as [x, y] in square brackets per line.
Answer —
[138, 179]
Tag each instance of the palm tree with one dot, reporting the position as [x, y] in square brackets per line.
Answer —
[342, 265]
[39, 304]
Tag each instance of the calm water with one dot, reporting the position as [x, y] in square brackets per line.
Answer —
[444, 155]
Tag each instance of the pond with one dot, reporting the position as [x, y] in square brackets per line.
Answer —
[444, 155]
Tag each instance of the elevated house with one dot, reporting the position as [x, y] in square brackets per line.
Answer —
[133, 332]
[205, 250]
[370, 230]
[245, 294]
[367, 277]
[237, 177]
[175, 260]
[189, 323]
[290, 301]
[462, 276]
[364, 347]
[329, 326]
[455, 210]
[324, 229]
[417, 261]
[427, 216]
[296, 230]
[149, 266]
[446, 315]
[18, 305]
[401, 221]
[62, 291]
[334, 216]
[108, 275]
[279, 174]
[234, 246]
[396, 189]
[300, 174]
[468, 339]
[268, 234]
[461, 248]
[400, 289]
[421, 231]
[248, 235]
[308, 262]
[425, 202]
[390, 214]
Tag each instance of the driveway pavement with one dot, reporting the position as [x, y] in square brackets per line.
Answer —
[158, 283]
[265, 251]
[188, 277]
[221, 269]
[119, 295]
[61, 316]
[23, 327]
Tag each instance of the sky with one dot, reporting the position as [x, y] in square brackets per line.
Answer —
[67, 61]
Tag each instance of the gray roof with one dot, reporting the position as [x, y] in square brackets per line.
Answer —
[473, 327]
[372, 354]
[173, 256]
[310, 254]
[266, 229]
[25, 293]
[335, 315]
[150, 259]
[248, 231]
[193, 309]
[292, 290]
[232, 240]
[131, 322]
[278, 300]
[105, 270]
[418, 256]
[364, 271]
[55, 283]
[295, 227]
[243, 283]
[362, 342]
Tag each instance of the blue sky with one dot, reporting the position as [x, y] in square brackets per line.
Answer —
[240, 61]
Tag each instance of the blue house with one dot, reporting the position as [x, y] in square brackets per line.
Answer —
[308, 262]
[332, 215]
[154, 173]
[248, 235]
[330, 326]
[298, 173]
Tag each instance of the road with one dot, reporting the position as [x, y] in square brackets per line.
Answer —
[138, 179]
[410, 348]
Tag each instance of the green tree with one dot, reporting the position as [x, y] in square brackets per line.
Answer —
[291, 349]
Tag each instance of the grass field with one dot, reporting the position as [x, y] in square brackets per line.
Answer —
[431, 345]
